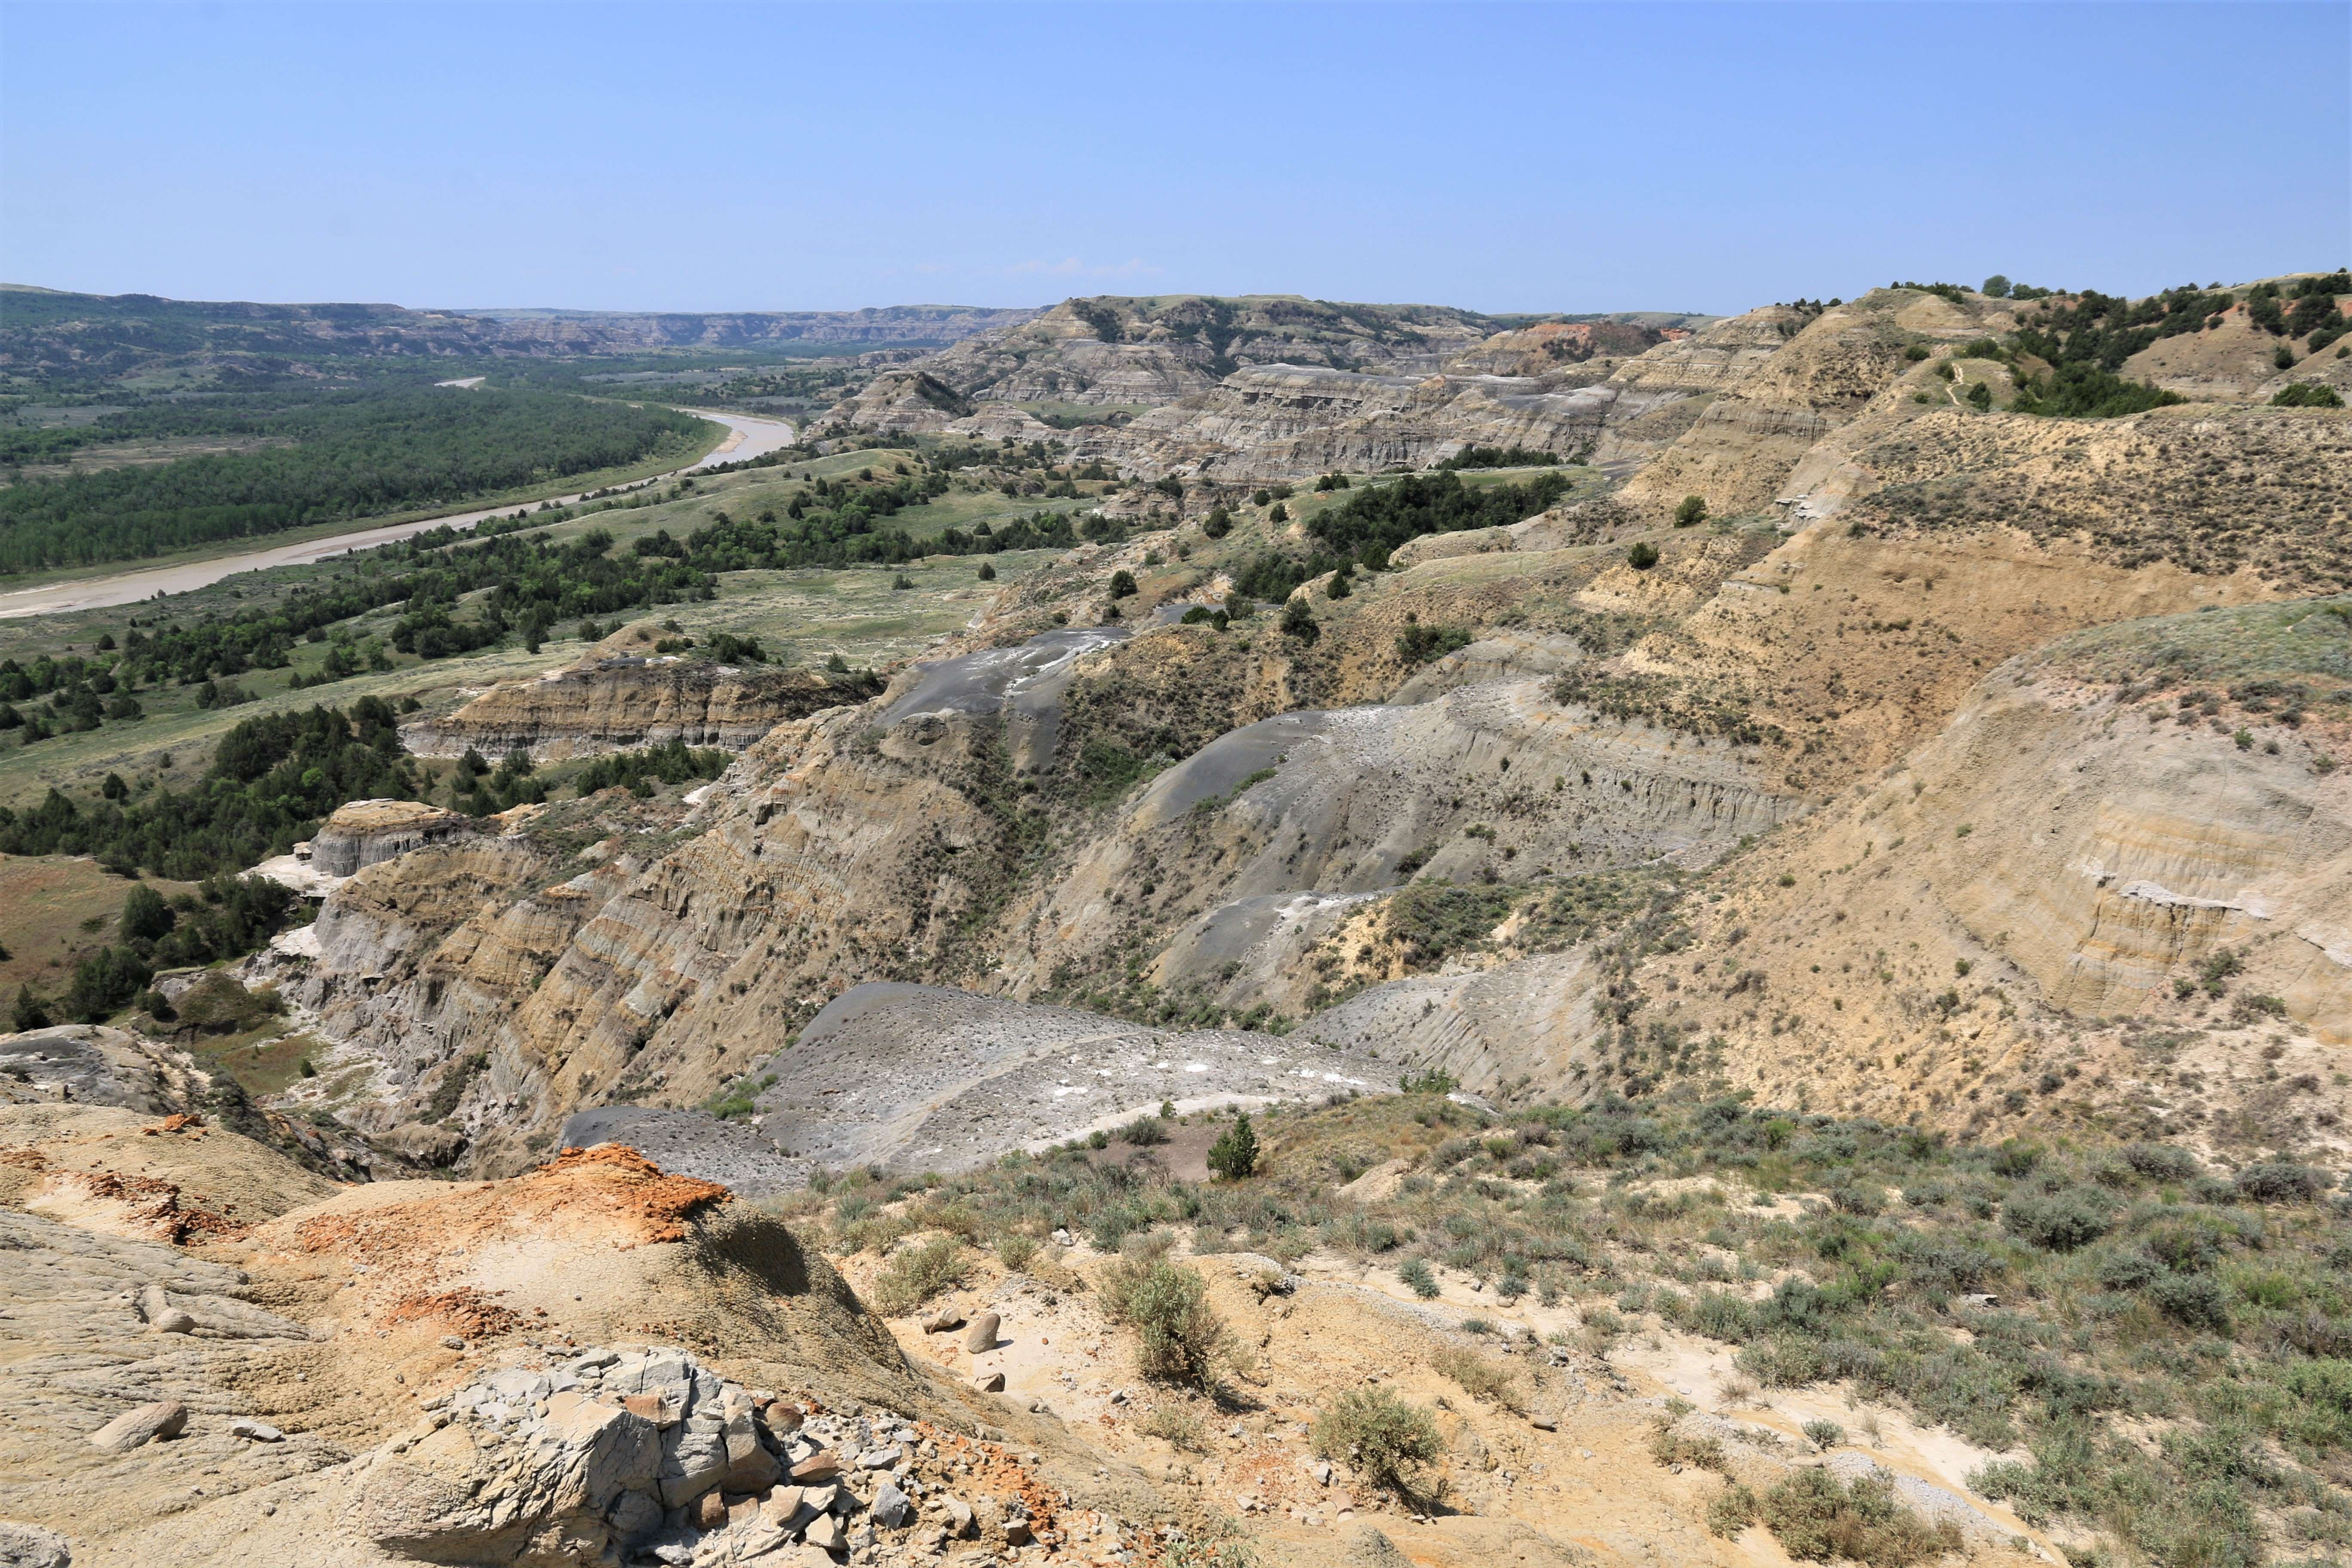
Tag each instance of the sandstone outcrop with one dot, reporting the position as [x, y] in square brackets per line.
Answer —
[1776, 405]
[370, 832]
[1155, 350]
[895, 403]
[1291, 421]
[86, 1064]
[621, 701]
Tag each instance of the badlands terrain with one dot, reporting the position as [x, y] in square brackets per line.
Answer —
[1316, 933]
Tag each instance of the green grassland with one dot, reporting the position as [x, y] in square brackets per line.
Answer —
[54, 912]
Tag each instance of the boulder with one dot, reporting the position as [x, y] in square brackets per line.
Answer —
[694, 1459]
[891, 1507]
[821, 1466]
[1366, 1547]
[29, 1546]
[983, 1334]
[136, 1429]
[989, 1382]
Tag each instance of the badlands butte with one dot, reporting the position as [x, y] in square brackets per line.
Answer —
[1599, 940]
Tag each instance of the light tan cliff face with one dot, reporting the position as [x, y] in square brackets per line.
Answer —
[1153, 353]
[612, 702]
[1288, 422]
[368, 832]
[1549, 346]
[2022, 918]
[1616, 391]
[1741, 449]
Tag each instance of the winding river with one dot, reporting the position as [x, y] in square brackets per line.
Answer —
[747, 437]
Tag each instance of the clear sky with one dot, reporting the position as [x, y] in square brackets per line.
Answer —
[1517, 157]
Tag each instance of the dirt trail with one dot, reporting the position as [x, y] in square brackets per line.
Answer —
[747, 437]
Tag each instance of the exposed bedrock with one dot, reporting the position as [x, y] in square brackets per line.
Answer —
[1484, 783]
[1023, 684]
[1291, 421]
[619, 702]
[370, 832]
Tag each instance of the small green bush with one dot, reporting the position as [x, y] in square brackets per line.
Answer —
[2306, 395]
[916, 1274]
[1478, 1376]
[2060, 1221]
[1179, 1425]
[2278, 1182]
[1415, 1272]
[1385, 1438]
[1643, 556]
[1733, 1510]
[1818, 1518]
[1184, 1340]
[1144, 1131]
[2160, 1161]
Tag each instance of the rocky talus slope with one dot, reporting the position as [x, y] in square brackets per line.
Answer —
[410, 1372]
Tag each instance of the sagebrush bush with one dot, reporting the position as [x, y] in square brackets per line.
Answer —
[1816, 1518]
[2160, 1161]
[2278, 1181]
[1387, 1439]
[916, 1274]
[1180, 1424]
[2060, 1221]
[1183, 1339]
[1478, 1377]
[1144, 1131]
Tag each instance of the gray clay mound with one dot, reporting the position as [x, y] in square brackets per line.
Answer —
[82, 1065]
[922, 1078]
[1023, 683]
[691, 1143]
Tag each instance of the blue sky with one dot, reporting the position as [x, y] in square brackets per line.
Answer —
[1509, 158]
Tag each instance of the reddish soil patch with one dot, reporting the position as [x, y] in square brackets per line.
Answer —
[469, 1312]
[156, 1204]
[663, 1201]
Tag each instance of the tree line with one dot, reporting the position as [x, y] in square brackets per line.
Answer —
[272, 779]
[351, 455]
